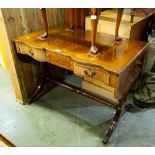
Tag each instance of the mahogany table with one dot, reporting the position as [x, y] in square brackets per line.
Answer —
[106, 78]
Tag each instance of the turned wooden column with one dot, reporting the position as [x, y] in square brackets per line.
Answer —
[94, 22]
[45, 23]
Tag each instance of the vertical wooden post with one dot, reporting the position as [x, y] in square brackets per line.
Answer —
[94, 22]
[132, 14]
[45, 23]
[118, 21]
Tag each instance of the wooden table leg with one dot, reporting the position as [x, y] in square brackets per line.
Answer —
[118, 21]
[112, 126]
[94, 22]
[117, 116]
[45, 23]
[40, 84]
[132, 14]
[43, 85]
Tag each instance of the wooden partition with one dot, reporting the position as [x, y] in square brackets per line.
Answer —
[14, 23]
[78, 14]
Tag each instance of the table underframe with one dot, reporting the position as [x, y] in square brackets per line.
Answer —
[119, 109]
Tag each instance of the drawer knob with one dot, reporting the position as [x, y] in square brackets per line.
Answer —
[89, 73]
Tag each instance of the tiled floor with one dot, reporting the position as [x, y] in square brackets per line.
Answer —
[63, 118]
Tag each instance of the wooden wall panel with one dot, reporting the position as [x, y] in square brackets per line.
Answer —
[79, 17]
[14, 23]
[10, 58]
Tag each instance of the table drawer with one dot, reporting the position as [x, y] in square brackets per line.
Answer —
[105, 92]
[91, 72]
[59, 60]
[38, 54]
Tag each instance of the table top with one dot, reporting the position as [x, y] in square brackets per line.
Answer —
[114, 56]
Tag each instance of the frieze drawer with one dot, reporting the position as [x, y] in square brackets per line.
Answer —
[38, 54]
[91, 72]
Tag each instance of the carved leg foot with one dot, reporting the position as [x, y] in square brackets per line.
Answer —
[118, 38]
[43, 36]
[112, 126]
[93, 51]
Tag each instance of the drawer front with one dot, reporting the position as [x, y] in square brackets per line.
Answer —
[34, 53]
[99, 83]
[59, 60]
[100, 91]
[91, 72]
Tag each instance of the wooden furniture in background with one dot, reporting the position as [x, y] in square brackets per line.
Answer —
[94, 12]
[138, 30]
[106, 78]
[75, 18]
[141, 12]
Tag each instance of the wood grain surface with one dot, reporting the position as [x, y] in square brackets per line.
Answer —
[117, 66]
[75, 46]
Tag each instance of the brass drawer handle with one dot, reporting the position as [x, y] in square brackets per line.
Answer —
[32, 53]
[89, 73]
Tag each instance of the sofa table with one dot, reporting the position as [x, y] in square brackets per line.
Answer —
[106, 78]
